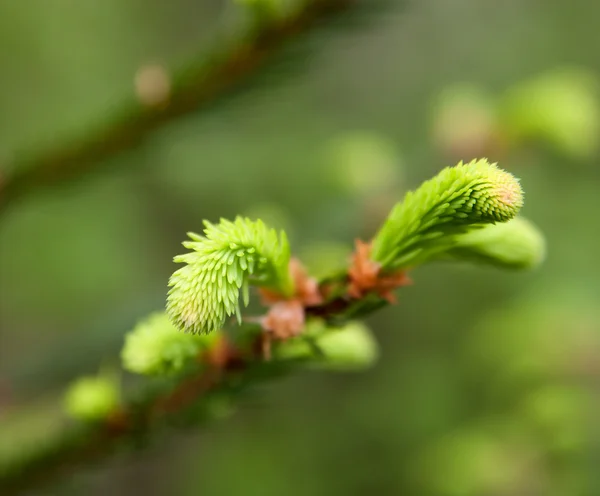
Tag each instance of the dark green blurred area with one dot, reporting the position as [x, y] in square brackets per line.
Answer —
[487, 380]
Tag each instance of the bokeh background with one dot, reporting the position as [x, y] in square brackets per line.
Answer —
[487, 379]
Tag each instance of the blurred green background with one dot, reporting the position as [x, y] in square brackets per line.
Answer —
[487, 380]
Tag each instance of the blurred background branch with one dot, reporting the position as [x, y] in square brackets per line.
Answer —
[161, 95]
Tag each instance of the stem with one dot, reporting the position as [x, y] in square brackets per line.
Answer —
[232, 369]
[160, 406]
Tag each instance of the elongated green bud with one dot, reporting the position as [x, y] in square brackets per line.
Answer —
[229, 257]
[456, 200]
[155, 346]
[517, 244]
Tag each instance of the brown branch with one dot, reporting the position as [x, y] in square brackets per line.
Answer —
[192, 88]
[225, 365]
[77, 446]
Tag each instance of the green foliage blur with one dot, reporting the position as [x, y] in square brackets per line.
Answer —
[487, 380]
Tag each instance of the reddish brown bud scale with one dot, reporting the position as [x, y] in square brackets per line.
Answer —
[365, 276]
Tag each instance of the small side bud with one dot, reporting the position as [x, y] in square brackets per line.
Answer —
[155, 346]
[363, 164]
[467, 462]
[474, 109]
[92, 398]
[558, 413]
[561, 108]
[351, 347]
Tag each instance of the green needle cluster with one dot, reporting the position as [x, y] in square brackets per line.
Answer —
[155, 347]
[229, 257]
[454, 202]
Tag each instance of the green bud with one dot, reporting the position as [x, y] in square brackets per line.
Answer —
[351, 347]
[227, 259]
[560, 107]
[92, 398]
[453, 202]
[475, 110]
[516, 244]
[552, 333]
[156, 346]
[558, 414]
[363, 163]
[468, 462]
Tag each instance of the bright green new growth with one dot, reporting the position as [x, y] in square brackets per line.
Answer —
[228, 258]
[455, 201]
[517, 244]
[351, 347]
[92, 398]
[155, 346]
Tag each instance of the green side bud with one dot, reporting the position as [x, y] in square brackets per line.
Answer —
[155, 347]
[516, 244]
[229, 257]
[453, 202]
[363, 163]
[351, 347]
[474, 109]
[467, 462]
[561, 416]
[561, 107]
[92, 398]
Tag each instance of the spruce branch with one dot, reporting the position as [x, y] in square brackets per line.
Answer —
[221, 374]
[193, 87]
[311, 322]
